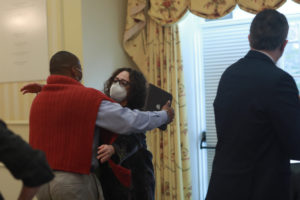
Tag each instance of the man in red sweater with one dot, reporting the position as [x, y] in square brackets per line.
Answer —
[65, 119]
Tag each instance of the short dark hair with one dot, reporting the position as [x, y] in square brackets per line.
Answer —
[269, 30]
[61, 61]
[137, 87]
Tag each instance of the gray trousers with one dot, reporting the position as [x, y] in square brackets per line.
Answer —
[71, 186]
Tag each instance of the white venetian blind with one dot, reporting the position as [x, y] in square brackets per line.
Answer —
[224, 42]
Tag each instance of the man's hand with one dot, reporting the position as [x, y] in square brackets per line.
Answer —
[105, 152]
[27, 193]
[32, 88]
[170, 111]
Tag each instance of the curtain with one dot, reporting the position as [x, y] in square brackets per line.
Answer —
[134, 40]
[254, 6]
[156, 51]
[170, 148]
[171, 11]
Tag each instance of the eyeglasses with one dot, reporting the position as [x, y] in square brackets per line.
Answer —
[78, 69]
[122, 82]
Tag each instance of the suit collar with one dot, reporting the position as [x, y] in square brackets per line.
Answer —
[259, 55]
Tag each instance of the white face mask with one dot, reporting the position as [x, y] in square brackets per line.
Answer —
[117, 92]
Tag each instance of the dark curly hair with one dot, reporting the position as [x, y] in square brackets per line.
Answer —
[137, 93]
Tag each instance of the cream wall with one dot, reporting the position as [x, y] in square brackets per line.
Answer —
[64, 33]
[103, 23]
[92, 29]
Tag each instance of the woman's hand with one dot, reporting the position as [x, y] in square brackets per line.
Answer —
[32, 88]
[105, 152]
[170, 111]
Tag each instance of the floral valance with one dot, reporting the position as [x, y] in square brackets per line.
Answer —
[170, 11]
[167, 12]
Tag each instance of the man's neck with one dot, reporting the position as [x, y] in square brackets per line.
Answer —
[273, 55]
[65, 74]
[267, 53]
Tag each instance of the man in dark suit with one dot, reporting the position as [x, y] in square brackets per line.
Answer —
[257, 115]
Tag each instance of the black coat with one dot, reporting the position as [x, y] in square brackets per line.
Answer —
[21, 160]
[257, 114]
[131, 152]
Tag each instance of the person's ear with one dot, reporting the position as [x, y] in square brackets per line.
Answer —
[282, 47]
[249, 38]
[76, 73]
[73, 72]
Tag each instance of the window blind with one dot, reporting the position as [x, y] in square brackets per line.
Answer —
[223, 43]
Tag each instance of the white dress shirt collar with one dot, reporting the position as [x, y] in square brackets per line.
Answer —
[265, 54]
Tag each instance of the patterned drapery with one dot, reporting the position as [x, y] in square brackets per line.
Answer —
[211, 9]
[171, 11]
[254, 6]
[151, 40]
[134, 35]
[167, 11]
[156, 51]
[170, 148]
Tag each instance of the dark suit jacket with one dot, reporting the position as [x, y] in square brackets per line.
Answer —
[257, 114]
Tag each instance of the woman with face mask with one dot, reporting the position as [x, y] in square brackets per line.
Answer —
[127, 87]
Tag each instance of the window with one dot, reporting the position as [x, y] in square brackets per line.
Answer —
[290, 60]
[208, 48]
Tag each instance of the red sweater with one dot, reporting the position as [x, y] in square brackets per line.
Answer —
[62, 123]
